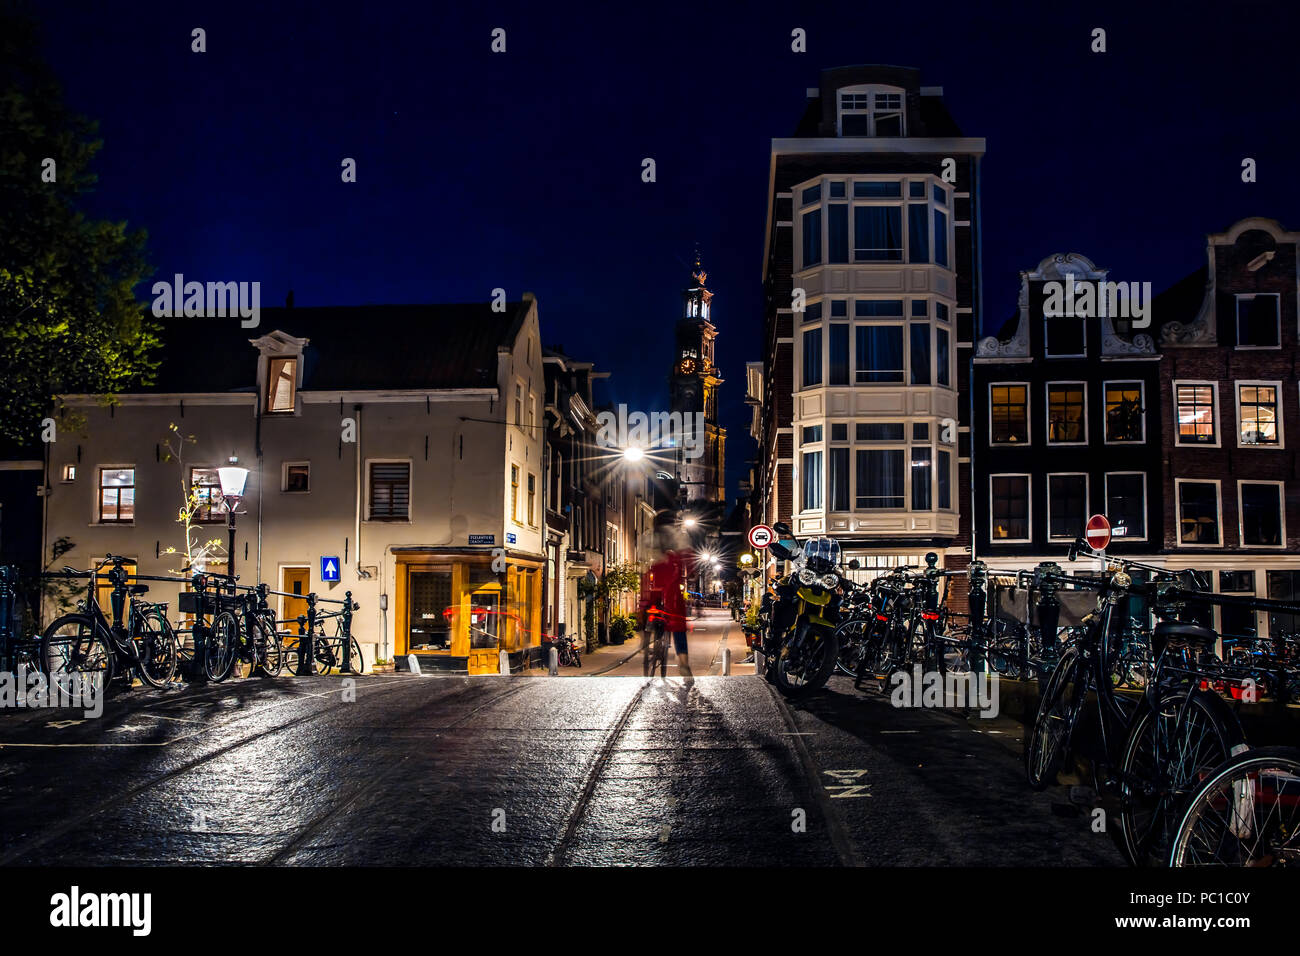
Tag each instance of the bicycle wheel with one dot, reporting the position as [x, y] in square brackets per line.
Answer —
[1246, 813]
[1048, 742]
[357, 662]
[221, 647]
[268, 648]
[852, 637]
[157, 646]
[72, 648]
[1170, 749]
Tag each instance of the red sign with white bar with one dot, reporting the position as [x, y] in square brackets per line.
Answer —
[1097, 532]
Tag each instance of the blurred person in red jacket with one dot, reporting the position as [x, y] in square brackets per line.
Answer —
[663, 595]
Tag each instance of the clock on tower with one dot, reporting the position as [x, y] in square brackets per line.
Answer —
[694, 382]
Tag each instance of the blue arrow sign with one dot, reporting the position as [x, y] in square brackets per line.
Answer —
[329, 568]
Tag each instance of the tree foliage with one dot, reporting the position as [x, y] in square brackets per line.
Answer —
[69, 318]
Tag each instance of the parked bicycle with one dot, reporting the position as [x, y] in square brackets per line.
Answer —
[89, 643]
[244, 633]
[1152, 753]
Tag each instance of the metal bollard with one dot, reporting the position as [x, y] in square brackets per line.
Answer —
[347, 633]
[726, 662]
[503, 667]
[553, 662]
[304, 660]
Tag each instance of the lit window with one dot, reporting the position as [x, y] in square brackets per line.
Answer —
[281, 383]
[1125, 416]
[69, 472]
[297, 476]
[532, 499]
[1065, 412]
[1196, 418]
[1010, 414]
[514, 493]
[1259, 414]
[116, 495]
[205, 494]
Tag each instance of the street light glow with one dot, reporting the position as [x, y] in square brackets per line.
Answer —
[688, 522]
[632, 453]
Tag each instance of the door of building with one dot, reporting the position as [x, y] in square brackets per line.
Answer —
[428, 625]
[294, 581]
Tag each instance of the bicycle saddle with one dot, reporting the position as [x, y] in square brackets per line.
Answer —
[137, 589]
[1187, 633]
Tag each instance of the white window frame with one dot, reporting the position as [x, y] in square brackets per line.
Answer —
[1029, 416]
[1048, 353]
[1236, 318]
[1218, 427]
[852, 201]
[1281, 512]
[99, 500]
[68, 473]
[1146, 515]
[410, 489]
[1047, 406]
[1087, 499]
[1029, 509]
[870, 90]
[1237, 385]
[1178, 510]
[1142, 397]
[284, 477]
[271, 359]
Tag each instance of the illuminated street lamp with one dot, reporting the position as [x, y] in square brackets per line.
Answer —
[633, 453]
[233, 478]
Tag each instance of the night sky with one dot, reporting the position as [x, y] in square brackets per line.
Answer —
[522, 170]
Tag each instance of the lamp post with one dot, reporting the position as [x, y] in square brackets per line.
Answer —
[232, 478]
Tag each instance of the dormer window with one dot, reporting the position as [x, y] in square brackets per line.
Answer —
[281, 384]
[871, 111]
[279, 371]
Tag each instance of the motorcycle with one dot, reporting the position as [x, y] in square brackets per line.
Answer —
[800, 646]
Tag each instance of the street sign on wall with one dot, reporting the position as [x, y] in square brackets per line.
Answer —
[329, 568]
[760, 536]
[482, 539]
[1097, 532]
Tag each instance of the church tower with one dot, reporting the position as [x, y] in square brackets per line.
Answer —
[694, 385]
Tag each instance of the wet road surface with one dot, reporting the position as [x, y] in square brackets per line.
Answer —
[523, 770]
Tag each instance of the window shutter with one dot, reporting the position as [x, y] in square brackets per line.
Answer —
[390, 490]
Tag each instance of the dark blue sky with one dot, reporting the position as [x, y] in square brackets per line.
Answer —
[523, 170]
